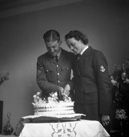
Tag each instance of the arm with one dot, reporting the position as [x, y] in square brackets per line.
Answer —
[42, 80]
[104, 86]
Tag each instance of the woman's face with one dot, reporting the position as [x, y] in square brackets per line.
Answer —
[74, 45]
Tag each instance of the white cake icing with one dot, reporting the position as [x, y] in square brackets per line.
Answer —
[52, 106]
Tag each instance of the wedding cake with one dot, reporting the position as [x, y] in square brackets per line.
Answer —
[52, 105]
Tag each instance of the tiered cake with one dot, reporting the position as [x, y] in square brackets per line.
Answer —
[52, 105]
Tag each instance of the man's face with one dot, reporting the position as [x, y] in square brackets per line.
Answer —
[53, 47]
[74, 45]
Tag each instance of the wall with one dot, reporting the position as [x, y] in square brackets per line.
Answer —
[106, 25]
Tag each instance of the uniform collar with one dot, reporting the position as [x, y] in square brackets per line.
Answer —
[84, 49]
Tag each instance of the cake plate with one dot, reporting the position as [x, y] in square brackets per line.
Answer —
[53, 118]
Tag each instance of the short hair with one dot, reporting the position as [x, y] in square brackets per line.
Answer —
[51, 35]
[77, 35]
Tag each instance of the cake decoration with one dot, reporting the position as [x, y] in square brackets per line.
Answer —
[52, 105]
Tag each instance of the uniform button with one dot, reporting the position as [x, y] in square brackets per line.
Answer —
[58, 81]
[58, 74]
[57, 66]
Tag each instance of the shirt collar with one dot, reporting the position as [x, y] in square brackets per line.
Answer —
[59, 53]
[84, 50]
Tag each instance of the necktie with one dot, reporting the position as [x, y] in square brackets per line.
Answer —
[56, 59]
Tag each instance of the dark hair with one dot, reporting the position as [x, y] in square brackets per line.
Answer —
[77, 35]
[51, 35]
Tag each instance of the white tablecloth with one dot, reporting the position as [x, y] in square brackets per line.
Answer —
[81, 128]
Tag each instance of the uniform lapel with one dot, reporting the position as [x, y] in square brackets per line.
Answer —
[79, 57]
[51, 59]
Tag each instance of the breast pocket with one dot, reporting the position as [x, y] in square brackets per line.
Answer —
[50, 74]
[66, 72]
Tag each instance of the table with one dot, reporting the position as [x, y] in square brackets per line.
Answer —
[80, 128]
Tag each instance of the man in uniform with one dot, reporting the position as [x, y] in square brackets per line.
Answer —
[54, 67]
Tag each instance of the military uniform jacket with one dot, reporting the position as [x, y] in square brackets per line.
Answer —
[51, 75]
[92, 83]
